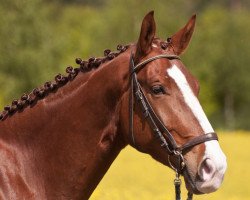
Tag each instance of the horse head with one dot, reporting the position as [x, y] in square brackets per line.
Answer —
[171, 95]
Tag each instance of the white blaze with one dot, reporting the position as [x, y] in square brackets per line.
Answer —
[213, 150]
[191, 100]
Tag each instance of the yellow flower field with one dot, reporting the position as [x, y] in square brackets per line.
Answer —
[136, 176]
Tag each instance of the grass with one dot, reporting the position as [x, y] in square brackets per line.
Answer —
[134, 175]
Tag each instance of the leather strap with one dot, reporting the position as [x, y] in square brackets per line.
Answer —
[157, 121]
[198, 140]
[141, 65]
[131, 101]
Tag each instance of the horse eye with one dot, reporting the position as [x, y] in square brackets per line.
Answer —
[158, 89]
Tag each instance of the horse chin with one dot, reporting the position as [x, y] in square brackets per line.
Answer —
[196, 186]
[189, 179]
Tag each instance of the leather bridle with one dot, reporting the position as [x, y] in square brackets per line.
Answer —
[167, 141]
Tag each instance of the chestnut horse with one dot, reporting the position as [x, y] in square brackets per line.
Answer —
[58, 141]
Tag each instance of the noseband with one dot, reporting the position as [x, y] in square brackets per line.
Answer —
[161, 132]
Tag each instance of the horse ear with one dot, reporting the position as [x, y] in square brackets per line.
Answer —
[147, 34]
[181, 39]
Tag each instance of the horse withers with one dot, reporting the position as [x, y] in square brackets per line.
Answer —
[58, 141]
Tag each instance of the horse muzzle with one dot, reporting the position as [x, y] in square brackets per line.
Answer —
[210, 173]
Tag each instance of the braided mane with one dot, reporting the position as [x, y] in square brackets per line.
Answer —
[60, 80]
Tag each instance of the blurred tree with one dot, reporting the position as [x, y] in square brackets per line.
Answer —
[28, 52]
[95, 3]
[229, 4]
[220, 52]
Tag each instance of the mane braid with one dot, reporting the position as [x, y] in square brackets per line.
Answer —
[60, 80]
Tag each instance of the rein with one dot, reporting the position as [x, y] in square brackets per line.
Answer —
[161, 132]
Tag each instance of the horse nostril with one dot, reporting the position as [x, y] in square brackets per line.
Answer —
[207, 170]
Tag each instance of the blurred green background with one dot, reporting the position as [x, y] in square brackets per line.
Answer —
[39, 38]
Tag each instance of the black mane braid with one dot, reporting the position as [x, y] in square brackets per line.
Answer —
[60, 80]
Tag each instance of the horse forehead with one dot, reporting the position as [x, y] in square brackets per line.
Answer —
[158, 67]
[191, 100]
[181, 74]
[184, 80]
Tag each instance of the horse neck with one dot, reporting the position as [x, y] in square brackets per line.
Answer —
[74, 135]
